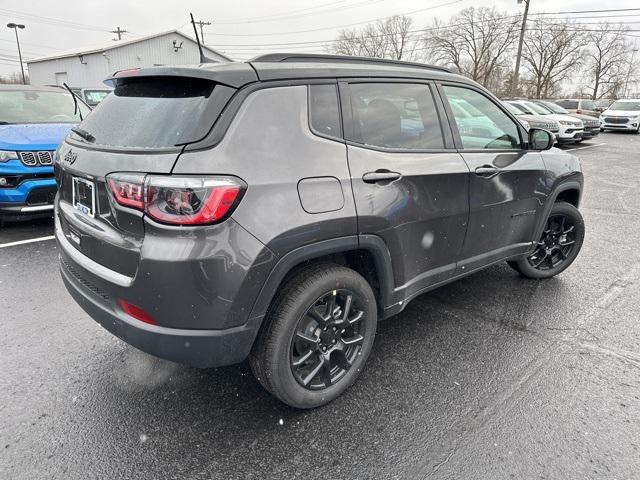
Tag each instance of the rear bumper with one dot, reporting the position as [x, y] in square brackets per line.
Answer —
[197, 348]
[97, 290]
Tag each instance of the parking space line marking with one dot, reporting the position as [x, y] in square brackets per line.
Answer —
[30, 240]
[587, 146]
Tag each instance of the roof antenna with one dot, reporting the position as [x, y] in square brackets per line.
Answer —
[203, 59]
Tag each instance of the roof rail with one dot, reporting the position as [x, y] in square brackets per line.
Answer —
[320, 58]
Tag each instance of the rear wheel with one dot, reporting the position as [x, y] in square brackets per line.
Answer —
[558, 246]
[316, 337]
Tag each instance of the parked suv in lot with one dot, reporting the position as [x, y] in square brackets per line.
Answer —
[580, 106]
[33, 122]
[622, 115]
[278, 209]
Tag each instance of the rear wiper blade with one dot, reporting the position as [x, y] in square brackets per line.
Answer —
[84, 134]
[76, 109]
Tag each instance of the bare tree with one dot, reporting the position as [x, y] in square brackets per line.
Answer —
[389, 38]
[607, 59]
[475, 42]
[552, 50]
[13, 78]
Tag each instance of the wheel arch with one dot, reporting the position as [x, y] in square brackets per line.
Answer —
[569, 191]
[366, 254]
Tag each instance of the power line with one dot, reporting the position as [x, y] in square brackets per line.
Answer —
[54, 21]
[419, 30]
[336, 26]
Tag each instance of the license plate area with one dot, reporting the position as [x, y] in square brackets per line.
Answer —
[84, 196]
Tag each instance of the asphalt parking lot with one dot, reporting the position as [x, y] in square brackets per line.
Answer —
[492, 377]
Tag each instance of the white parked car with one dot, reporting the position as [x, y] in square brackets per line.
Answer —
[621, 115]
[571, 128]
[533, 121]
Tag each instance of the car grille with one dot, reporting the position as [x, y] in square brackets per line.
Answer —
[41, 196]
[31, 159]
[616, 120]
[547, 126]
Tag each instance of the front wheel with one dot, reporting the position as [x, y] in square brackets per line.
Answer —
[317, 336]
[559, 245]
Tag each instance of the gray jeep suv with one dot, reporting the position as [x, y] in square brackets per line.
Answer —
[278, 209]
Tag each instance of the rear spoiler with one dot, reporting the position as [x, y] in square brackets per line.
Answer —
[233, 74]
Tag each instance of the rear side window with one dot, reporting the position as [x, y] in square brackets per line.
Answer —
[152, 112]
[588, 105]
[568, 104]
[395, 115]
[324, 114]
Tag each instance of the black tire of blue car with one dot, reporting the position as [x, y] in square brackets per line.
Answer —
[558, 246]
[316, 336]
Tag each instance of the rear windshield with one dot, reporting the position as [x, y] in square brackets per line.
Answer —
[151, 112]
[39, 106]
[570, 104]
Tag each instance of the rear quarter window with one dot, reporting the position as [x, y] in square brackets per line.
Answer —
[324, 112]
[152, 112]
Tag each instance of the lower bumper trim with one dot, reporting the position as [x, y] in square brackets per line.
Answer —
[196, 348]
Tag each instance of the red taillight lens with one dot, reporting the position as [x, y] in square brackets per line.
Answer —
[127, 189]
[136, 312]
[178, 200]
[190, 200]
[578, 111]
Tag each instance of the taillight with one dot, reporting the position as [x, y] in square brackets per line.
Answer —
[178, 200]
[127, 189]
[578, 111]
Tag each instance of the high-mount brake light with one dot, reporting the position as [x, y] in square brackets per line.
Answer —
[177, 200]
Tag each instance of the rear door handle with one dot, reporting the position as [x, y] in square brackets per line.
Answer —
[487, 171]
[380, 176]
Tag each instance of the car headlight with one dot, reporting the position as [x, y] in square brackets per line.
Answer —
[565, 122]
[5, 156]
[526, 124]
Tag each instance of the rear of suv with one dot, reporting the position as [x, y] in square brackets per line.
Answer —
[580, 106]
[278, 209]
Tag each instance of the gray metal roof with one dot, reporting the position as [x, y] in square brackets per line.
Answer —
[104, 47]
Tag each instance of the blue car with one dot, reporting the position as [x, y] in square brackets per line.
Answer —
[33, 122]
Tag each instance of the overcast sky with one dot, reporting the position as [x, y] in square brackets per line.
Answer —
[240, 28]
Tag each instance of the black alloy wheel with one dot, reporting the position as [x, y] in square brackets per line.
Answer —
[557, 242]
[327, 340]
[558, 246]
[317, 335]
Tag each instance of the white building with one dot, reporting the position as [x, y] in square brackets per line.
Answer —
[88, 67]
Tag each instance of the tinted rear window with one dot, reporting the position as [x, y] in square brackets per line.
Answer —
[569, 104]
[151, 112]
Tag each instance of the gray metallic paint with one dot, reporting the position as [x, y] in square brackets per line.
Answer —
[221, 279]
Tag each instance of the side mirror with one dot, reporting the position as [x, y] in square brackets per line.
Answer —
[540, 139]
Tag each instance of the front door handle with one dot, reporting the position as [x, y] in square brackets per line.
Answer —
[487, 171]
[380, 176]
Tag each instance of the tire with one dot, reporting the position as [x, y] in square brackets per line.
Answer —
[559, 246]
[302, 307]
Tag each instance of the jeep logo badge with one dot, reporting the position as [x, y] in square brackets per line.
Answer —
[70, 157]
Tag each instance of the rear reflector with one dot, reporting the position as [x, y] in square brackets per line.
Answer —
[178, 200]
[136, 312]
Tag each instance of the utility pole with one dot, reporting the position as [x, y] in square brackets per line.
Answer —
[201, 23]
[118, 32]
[516, 72]
[15, 27]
